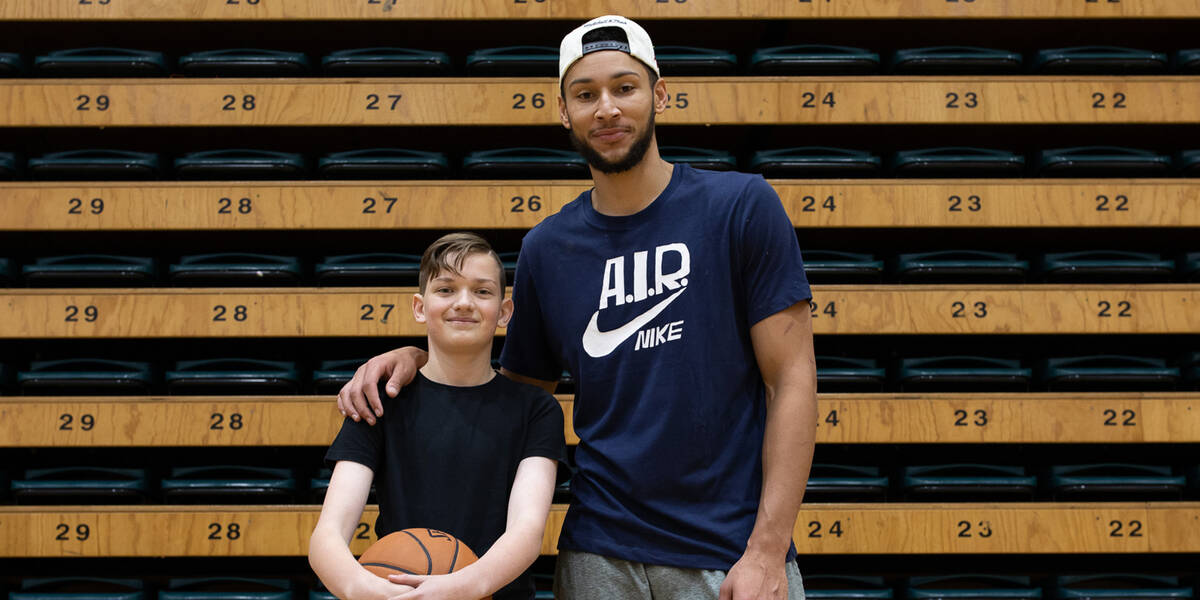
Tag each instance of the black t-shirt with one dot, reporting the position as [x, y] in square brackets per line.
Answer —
[445, 457]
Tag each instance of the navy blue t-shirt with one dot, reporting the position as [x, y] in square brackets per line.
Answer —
[652, 314]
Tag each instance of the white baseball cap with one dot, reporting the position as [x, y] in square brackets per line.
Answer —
[637, 45]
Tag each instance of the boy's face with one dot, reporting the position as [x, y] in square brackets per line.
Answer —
[462, 311]
[609, 108]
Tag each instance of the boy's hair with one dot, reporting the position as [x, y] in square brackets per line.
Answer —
[449, 253]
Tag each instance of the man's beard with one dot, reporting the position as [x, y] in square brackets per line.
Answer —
[636, 152]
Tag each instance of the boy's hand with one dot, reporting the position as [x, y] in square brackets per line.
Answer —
[359, 398]
[441, 587]
[374, 587]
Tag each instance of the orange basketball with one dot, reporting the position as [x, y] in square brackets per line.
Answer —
[417, 551]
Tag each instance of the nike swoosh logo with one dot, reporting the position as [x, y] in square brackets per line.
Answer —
[601, 343]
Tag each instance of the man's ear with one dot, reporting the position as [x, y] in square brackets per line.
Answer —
[661, 97]
[506, 311]
[418, 308]
[562, 113]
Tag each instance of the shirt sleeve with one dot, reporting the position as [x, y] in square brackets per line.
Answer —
[545, 435]
[527, 350]
[769, 253]
[358, 442]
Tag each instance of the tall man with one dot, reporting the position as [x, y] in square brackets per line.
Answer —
[677, 299]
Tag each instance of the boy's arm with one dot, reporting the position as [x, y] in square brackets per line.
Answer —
[328, 548]
[517, 548]
[784, 352]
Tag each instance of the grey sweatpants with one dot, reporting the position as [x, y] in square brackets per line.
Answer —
[585, 576]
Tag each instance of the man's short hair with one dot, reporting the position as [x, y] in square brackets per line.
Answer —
[450, 252]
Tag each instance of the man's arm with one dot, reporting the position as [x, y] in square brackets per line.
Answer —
[513, 552]
[783, 347]
[329, 549]
[359, 398]
[549, 386]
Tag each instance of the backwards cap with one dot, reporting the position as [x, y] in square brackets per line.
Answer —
[637, 44]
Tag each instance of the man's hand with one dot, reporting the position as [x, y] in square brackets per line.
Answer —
[359, 398]
[756, 576]
[439, 587]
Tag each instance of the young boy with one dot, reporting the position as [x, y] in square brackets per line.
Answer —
[461, 450]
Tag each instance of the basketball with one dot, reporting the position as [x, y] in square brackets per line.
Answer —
[417, 551]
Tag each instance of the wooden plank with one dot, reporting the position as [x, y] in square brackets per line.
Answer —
[356, 10]
[374, 312]
[531, 101]
[174, 421]
[354, 205]
[968, 528]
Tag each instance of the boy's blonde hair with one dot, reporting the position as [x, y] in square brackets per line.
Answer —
[449, 253]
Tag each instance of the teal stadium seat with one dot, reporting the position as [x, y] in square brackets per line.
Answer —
[12, 65]
[101, 62]
[815, 162]
[331, 375]
[228, 588]
[235, 269]
[834, 266]
[689, 60]
[525, 163]
[960, 266]
[238, 164]
[81, 485]
[95, 164]
[845, 483]
[700, 158]
[233, 376]
[1104, 266]
[376, 268]
[1115, 482]
[814, 59]
[842, 374]
[1099, 60]
[1188, 163]
[79, 588]
[968, 483]
[956, 162]
[962, 374]
[85, 377]
[514, 61]
[972, 587]
[225, 484]
[1190, 369]
[1101, 161]
[955, 60]
[1187, 62]
[10, 166]
[7, 272]
[90, 270]
[245, 62]
[1107, 373]
[1120, 586]
[385, 62]
[825, 586]
[383, 163]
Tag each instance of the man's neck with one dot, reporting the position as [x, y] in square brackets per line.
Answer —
[628, 192]
[464, 369]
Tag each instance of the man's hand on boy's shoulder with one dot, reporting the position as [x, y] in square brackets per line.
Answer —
[359, 398]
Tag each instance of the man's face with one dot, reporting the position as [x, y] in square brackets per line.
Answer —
[609, 109]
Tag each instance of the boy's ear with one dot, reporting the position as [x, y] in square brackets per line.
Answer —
[418, 308]
[506, 311]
